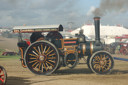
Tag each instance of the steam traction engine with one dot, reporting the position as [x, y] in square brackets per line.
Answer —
[45, 54]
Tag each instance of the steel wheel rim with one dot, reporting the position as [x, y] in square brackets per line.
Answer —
[3, 76]
[42, 58]
[101, 63]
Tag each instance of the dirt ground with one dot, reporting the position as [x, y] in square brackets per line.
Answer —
[9, 44]
[81, 75]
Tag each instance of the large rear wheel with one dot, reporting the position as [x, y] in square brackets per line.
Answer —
[42, 58]
[101, 62]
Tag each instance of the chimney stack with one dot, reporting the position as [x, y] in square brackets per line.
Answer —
[97, 30]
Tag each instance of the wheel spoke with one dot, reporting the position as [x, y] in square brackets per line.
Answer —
[36, 50]
[33, 58]
[35, 53]
[107, 57]
[37, 65]
[51, 58]
[99, 67]
[42, 48]
[104, 58]
[101, 57]
[42, 68]
[102, 69]
[96, 62]
[47, 50]
[50, 63]
[39, 50]
[33, 61]
[50, 52]
[45, 66]
[34, 64]
[108, 61]
[97, 58]
[96, 66]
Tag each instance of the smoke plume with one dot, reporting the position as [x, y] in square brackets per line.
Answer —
[107, 6]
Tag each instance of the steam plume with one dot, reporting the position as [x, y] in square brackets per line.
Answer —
[107, 6]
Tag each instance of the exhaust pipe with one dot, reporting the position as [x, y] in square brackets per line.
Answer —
[97, 30]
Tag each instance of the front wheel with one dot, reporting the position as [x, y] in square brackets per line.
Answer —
[101, 62]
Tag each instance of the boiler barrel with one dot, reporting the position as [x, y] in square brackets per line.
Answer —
[88, 48]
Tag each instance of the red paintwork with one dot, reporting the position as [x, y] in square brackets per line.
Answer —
[27, 41]
[122, 37]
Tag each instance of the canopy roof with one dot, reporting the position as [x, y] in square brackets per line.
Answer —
[38, 28]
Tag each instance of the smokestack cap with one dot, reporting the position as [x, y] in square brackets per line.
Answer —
[96, 18]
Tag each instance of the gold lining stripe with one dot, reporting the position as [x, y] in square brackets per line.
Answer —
[91, 48]
[84, 48]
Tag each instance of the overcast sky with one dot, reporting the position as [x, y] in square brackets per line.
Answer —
[77, 12]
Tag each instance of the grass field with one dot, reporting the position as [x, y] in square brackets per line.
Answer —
[7, 57]
[8, 44]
